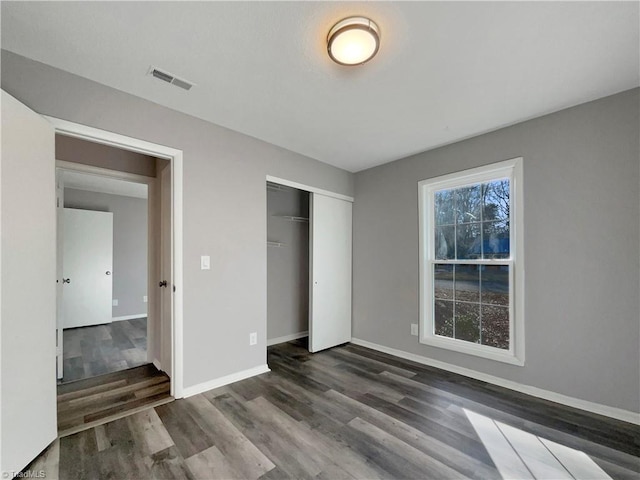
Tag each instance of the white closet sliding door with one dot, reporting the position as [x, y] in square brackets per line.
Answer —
[330, 242]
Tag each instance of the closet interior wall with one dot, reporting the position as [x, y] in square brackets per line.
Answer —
[287, 263]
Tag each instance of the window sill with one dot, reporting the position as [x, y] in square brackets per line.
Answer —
[476, 350]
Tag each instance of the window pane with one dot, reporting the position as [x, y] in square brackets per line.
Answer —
[445, 243]
[468, 241]
[443, 281]
[494, 284]
[467, 322]
[495, 326]
[443, 324]
[495, 200]
[468, 204]
[444, 207]
[467, 283]
[495, 239]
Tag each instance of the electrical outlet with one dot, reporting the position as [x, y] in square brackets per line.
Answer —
[414, 329]
[114, 302]
[253, 338]
[145, 299]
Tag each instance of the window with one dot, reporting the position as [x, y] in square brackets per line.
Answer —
[471, 275]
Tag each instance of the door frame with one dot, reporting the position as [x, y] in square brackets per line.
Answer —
[174, 156]
[308, 188]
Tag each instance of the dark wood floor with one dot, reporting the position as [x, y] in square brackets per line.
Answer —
[351, 412]
[94, 400]
[100, 349]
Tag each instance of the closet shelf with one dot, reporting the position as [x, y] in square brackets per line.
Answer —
[292, 218]
[275, 244]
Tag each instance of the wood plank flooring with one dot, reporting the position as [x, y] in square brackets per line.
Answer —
[100, 349]
[351, 412]
[93, 401]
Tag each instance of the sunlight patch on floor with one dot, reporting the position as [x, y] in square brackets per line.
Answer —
[522, 455]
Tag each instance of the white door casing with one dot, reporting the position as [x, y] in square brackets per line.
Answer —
[28, 414]
[87, 268]
[330, 273]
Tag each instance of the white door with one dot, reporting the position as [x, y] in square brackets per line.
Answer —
[87, 267]
[28, 286]
[330, 275]
[166, 275]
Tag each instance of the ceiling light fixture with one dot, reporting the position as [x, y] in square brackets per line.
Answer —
[353, 41]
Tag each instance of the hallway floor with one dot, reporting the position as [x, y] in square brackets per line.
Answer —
[100, 349]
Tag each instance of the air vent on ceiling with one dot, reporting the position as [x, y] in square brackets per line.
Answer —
[170, 78]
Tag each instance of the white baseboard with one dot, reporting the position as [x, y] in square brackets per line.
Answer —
[226, 380]
[613, 412]
[129, 317]
[156, 363]
[286, 338]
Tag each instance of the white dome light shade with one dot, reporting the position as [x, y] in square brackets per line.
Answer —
[353, 41]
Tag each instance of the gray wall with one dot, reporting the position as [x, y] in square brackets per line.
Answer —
[129, 245]
[224, 206]
[581, 214]
[287, 266]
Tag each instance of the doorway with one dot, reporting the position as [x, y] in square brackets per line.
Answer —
[103, 256]
[114, 326]
[167, 158]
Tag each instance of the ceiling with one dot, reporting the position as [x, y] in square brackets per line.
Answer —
[97, 183]
[445, 70]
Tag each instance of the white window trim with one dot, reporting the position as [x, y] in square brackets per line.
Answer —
[513, 169]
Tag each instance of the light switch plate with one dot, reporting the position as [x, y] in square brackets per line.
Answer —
[414, 329]
[205, 262]
[114, 302]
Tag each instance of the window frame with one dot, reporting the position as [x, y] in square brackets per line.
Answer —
[511, 169]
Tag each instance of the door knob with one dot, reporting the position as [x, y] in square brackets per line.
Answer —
[163, 283]
[66, 280]
[107, 273]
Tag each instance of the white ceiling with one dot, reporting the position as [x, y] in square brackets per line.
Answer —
[98, 183]
[445, 70]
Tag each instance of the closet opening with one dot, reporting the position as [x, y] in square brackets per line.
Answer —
[287, 264]
[309, 239]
